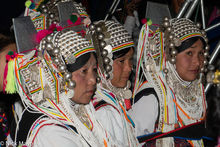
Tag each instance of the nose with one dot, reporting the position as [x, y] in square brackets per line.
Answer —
[128, 66]
[92, 79]
[196, 60]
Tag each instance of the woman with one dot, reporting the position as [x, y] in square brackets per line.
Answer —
[169, 101]
[56, 86]
[114, 51]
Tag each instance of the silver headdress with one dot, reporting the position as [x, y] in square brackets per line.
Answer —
[45, 13]
[177, 31]
[109, 37]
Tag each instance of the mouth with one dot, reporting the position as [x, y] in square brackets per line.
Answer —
[195, 71]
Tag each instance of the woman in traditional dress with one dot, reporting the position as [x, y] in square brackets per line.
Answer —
[169, 102]
[114, 52]
[56, 82]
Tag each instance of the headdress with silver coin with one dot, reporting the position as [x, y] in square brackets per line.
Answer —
[109, 37]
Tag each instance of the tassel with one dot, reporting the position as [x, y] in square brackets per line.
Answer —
[10, 86]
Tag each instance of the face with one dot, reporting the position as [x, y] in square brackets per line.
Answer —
[3, 53]
[190, 61]
[121, 69]
[85, 79]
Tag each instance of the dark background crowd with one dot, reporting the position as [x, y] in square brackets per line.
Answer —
[98, 9]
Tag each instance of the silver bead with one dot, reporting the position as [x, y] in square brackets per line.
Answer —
[206, 54]
[71, 84]
[166, 19]
[173, 60]
[102, 44]
[169, 29]
[198, 25]
[49, 38]
[207, 47]
[174, 52]
[211, 67]
[205, 62]
[43, 6]
[51, 15]
[101, 36]
[106, 60]
[108, 68]
[107, 75]
[49, 46]
[202, 69]
[68, 76]
[171, 37]
[56, 51]
[45, 10]
[166, 24]
[104, 53]
[171, 45]
[92, 27]
[56, 60]
[54, 22]
[62, 68]
[98, 29]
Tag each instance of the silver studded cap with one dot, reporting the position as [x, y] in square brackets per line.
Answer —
[119, 37]
[184, 29]
[72, 45]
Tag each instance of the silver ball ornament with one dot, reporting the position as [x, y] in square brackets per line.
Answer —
[49, 46]
[68, 76]
[98, 29]
[71, 84]
[173, 60]
[174, 52]
[56, 51]
[108, 68]
[106, 60]
[104, 53]
[56, 60]
[51, 15]
[101, 36]
[62, 68]
[171, 45]
[166, 24]
[169, 29]
[102, 44]
[92, 27]
[206, 54]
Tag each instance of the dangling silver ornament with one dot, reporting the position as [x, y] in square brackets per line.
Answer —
[198, 25]
[51, 15]
[108, 68]
[56, 60]
[205, 62]
[166, 19]
[67, 76]
[173, 60]
[71, 84]
[106, 60]
[174, 52]
[207, 47]
[166, 24]
[56, 51]
[100, 36]
[98, 29]
[104, 53]
[206, 54]
[49, 46]
[107, 75]
[92, 27]
[171, 45]
[103, 44]
[169, 29]
[49, 38]
[62, 68]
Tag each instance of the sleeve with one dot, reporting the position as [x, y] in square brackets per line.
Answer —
[144, 114]
[56, 136]
[111, 120]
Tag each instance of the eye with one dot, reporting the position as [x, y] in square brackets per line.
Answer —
[201, 53]
[84, 71]
[189, 53]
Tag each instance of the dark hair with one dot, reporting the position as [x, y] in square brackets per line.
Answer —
[5, 41]
[80, 62]
[188, 43]
[121, 53]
